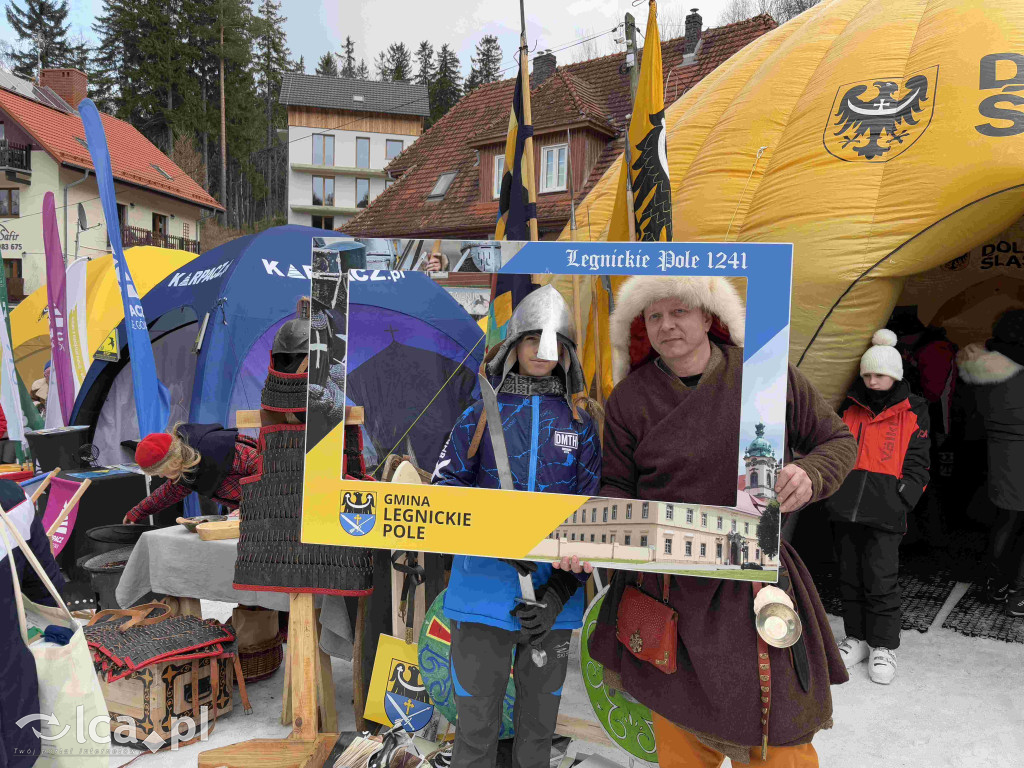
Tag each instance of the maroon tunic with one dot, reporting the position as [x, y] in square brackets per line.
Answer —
[664, 442]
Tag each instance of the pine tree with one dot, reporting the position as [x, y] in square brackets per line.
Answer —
[348, 58]
[425, 64]
[327, 66]
[42, 28]
[273, 58]
[300, 65]
[383, 67]
[486, 63]
[362, 71]
[399, 62]
[446, 89]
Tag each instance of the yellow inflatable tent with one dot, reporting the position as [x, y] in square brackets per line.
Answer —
[884, 140]
[30, 329]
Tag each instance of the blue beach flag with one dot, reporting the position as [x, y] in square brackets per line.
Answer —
[152, 400]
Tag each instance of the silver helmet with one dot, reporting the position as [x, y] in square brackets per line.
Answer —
[546, 312]
[543, 311]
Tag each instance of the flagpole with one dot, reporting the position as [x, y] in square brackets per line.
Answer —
[524, 65]
[627, 158]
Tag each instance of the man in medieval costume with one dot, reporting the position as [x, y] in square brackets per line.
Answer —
[538, 379]
[671, 434]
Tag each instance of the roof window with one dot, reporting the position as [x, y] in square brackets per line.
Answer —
[358, 97]
[444, 181]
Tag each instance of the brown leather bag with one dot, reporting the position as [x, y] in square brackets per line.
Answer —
[647, 627]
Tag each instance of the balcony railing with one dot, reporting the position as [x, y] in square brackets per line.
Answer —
[15, 156]
[132, 236]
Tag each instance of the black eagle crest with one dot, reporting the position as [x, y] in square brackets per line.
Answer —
[358, 503]
[886, 113]
[652, 192]
[406, 681]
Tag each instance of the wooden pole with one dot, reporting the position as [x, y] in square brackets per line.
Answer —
[627, 158]
[529, 170]
[223, 127]
[572, 195]
[634, 79]
[44, 485]
[302, 647]
[634, 71]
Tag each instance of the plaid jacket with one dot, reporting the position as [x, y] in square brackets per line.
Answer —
[229, 493]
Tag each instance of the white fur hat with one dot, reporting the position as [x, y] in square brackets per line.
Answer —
[715, 295]
[883, 358]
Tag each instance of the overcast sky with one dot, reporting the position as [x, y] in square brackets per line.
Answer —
[314, 28]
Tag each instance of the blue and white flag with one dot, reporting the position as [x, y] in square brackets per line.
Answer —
[152, 400]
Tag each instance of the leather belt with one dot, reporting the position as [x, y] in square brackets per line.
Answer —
[764, 682]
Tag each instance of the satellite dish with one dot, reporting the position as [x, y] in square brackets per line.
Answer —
[83, 222]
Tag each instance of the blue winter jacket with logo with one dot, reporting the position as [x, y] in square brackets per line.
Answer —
[548, 452]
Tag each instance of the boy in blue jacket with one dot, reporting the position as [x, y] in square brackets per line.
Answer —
[553, 448]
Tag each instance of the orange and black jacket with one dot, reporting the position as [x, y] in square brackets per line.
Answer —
[893, 456]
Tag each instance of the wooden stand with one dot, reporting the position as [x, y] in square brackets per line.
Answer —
[309, 703]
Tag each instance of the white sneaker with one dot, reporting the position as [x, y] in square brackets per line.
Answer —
[882, 665]
[853, 651]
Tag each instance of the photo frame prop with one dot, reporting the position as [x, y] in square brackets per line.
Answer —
[416, 381]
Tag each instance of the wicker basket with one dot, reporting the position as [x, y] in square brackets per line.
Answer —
[262, 660]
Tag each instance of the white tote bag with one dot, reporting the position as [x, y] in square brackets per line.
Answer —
[78, 734]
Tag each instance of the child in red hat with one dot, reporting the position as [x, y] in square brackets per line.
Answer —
[205, 458]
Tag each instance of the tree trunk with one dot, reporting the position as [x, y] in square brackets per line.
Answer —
[223, 132]
[170, 128]
[205, 136]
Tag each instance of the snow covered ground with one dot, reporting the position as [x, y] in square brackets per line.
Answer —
[956, 701]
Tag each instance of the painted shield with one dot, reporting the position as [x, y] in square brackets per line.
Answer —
[435, 667]
[626, 721]
[405, 700]
[357, 515]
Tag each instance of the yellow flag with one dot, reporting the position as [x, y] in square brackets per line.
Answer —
[652, 192]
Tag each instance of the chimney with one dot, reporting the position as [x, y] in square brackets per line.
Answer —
[693, 22]
[543, 68]
[72, 85]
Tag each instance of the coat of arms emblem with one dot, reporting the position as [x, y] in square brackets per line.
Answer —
[357, 515]
[879, 119]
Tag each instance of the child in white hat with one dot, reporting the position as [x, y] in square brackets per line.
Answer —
[869, 512]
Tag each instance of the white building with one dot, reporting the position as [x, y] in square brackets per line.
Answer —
[43, 149]
[341, 134]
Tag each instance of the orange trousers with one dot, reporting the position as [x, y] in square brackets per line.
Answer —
[678, 749]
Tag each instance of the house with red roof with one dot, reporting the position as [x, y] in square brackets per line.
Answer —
[43, 149]
[448, 182]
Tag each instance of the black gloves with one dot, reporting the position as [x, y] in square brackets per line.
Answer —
[537, 620]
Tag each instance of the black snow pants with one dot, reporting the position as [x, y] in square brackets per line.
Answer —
[481, 658]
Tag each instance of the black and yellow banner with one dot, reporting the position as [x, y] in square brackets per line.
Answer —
[648, 170]
[517, 204]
